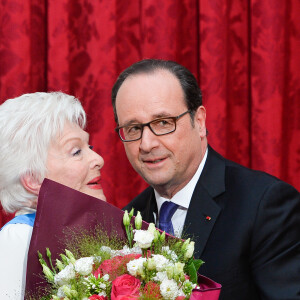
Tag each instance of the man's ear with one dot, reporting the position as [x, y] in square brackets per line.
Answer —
[31, 184]
[200, 118]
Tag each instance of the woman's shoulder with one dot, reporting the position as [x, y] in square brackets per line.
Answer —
[15, 234]
[14, 241]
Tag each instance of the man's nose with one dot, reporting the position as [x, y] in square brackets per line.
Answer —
[148, 140]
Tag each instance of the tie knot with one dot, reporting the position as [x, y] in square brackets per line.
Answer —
[167, 211]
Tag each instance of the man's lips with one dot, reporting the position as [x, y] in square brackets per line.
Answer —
[154, 161]
[95, 183]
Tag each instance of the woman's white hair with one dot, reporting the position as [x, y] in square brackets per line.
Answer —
[28, 124]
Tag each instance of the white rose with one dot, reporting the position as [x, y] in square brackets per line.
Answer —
[84, 265]
[143, 238]
[65, 275]
[169, 289]
[135, 266]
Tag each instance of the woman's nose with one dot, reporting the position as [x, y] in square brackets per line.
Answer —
[97, 160]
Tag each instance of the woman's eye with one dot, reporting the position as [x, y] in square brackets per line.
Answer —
[77, 152]
[91, 147]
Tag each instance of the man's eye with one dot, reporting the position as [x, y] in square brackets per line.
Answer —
[164, 123]
[133, 129]
[91, 147]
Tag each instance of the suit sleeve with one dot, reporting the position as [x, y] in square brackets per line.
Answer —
[275, 251]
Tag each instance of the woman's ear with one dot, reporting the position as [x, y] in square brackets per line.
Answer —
[31, 184]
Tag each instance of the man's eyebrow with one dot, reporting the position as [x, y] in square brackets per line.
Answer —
[162, 115]
[153, 117]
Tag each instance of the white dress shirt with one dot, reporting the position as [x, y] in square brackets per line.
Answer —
[14, 244]
[182, 198]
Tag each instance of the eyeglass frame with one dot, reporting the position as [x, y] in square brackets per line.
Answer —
[175, 119]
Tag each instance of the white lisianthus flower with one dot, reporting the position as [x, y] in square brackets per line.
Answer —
[161, 262]
[181, 293]
[138, 221]
[97, 259]
[169, 289]
[151, 264]
[160, 276]
[178, 268]
[60, 291]
[105, 249]
[105, 277]
[135, 266]
[102, 286]
[151, 228]
[189, 250]
[165, 249]
[84, 265]
[143, 238]
[170, 253]
[126, 219]
[65, 275]
[136, 250]
[126, 250]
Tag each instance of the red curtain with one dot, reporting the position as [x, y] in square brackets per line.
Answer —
[245, 55]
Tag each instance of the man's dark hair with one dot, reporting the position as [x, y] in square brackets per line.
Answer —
[188, 82]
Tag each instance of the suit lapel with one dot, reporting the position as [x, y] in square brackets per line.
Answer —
[203, 210]
[150, 208]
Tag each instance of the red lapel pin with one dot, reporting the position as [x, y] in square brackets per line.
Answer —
[208, 218]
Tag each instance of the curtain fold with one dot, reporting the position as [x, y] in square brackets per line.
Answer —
[245, 55]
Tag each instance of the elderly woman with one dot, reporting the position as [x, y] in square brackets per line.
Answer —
[41, 136]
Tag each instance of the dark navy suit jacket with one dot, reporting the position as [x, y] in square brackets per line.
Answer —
[251, 244]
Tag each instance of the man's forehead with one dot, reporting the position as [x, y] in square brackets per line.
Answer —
[153, 83]
[146, 96]
[162, 74]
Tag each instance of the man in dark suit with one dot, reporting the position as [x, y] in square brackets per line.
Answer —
[246, 224]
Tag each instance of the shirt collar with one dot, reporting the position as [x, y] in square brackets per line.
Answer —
[25, 210]
[184, 196]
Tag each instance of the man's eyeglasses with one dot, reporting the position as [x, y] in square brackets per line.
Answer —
[161, 126]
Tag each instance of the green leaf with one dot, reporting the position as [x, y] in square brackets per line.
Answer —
[198, 263]
[192, 273]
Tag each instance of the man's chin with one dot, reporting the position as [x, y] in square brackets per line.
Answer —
[156, 182]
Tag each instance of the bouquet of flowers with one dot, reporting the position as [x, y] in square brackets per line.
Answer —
[149, 269]
[126, 259]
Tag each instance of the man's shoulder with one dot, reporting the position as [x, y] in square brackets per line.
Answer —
[240, 178]
[139, 201]
[237, 170]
